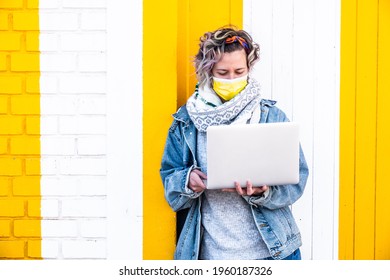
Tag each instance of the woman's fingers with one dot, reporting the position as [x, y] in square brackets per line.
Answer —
[249, 188]
[195, 183]
[238, 188]
[200, 174]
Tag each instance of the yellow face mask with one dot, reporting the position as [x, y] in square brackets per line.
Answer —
[227, 89]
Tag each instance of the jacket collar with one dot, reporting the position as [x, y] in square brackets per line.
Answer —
[182, 115]
[267, 102]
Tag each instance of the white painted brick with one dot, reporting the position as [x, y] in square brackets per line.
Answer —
[58, 21]
[95, 62]
[83, 42]
[49, 165]
[92, 105]
[93, 185]
[59, 186]
[82, 125]
[48, 4]
[83, 84]
[93, 228]
[73, 63]
[83, 166]
[49, 249]
[84, 3]
[48, 42]
[84, 249]
[73, 186]
[93, 21]
[48, 84]
[87, 207]
[58, 146]
[58, 62]
[59, 228]
[49, 124]
[93, 145]
[49, 208]
[59, 105]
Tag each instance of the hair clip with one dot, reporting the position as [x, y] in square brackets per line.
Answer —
[239, 39]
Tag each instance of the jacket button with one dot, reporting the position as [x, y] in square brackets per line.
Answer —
[276, 254]
[263, 225]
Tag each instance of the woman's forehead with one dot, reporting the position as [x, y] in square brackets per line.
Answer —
[237, 58]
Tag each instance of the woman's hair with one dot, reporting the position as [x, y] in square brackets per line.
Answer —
[224, 40]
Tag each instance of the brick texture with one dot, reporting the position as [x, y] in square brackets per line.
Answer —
[19, 179]
[53, 129]
[73, 129]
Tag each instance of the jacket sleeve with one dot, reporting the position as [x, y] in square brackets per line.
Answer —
[283, 195]
[175, 173]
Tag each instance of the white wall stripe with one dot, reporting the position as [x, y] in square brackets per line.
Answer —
[299, 67]
[124, 112]
[73, 129]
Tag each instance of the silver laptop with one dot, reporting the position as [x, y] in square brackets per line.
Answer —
[266, 154]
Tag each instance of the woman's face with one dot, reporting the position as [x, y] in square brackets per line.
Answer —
[232, 65]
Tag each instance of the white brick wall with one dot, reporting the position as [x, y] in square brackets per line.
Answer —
[73, 128]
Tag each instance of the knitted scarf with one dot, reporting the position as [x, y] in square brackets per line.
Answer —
[206, 109]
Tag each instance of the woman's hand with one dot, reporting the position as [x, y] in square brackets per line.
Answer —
[195, 183]
[249, 190]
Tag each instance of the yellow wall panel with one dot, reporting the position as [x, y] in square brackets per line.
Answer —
[19, 77]
[382, 226]
[364, 227]
[159, 99]
[168, 81]
[347, 128]
[366, 95]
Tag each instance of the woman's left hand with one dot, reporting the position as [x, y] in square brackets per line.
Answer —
[249, 190]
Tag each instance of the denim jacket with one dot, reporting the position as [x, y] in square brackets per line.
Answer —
[271, 213]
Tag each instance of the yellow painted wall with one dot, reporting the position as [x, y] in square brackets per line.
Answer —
[159, 99]
[364, 130]
[171, 35]
[194, 19]
[20, 229]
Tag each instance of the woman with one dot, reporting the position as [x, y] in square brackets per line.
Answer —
[248, 222]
